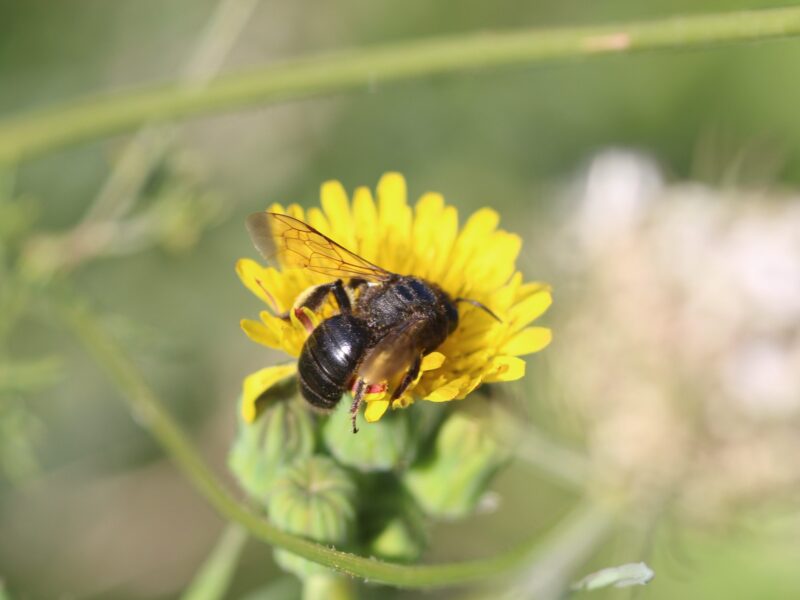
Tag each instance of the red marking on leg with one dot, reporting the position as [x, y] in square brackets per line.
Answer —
[373, 388]
[376, 388]
[303, 318]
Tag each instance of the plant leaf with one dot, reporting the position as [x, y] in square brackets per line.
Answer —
[622, 576]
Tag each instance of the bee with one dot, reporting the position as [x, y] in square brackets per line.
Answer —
[385, 323]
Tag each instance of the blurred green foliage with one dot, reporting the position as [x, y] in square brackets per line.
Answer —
[87, 519]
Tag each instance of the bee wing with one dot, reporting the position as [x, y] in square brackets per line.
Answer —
[393, 354]
[300, 245]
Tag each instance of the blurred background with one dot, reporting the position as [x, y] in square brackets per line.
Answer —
[657, 193]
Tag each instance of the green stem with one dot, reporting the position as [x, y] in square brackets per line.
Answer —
[29, 135]
[215, 574]
[151, 414]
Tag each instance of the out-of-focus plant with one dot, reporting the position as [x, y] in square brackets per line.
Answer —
[695, 397]
[621, 576]
[20, 377]
[173, 209]
[317, 492]
[28, 136]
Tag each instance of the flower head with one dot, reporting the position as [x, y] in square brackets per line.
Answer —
[476, 261]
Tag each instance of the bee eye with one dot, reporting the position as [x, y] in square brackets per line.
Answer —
[452, 315]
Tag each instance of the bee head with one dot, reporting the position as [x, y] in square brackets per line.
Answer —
[451, 312]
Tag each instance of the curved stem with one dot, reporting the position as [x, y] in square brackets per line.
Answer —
[214, 576]
[150, 412]
[29, 135]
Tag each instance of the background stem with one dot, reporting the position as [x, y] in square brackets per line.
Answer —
[148, 147]
[27, 136]
[215, 574]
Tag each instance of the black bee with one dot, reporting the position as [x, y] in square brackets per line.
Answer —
[385, 325]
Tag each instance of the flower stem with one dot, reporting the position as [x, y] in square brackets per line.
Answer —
[215, 574]
[151, 414]
[29, 135]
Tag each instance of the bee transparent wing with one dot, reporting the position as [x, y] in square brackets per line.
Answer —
[393, 354]
[300, 245]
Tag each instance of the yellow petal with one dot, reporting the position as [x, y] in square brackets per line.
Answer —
[475, 382]
[375, 410]
[263, 282]
[259, 382]
[492, 268]
[434, 232]
[318, 220]
[528, 341]
[394, 222]
[532, 287]
[260, 333]
[403, 401]
[296, 211]
[366, 221]
[291, 335]
[432, 361]
[448, 391]
[530, 309]
[337, 210]
[471, 241]
[505, 368]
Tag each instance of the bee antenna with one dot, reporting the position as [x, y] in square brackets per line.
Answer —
[480, 305]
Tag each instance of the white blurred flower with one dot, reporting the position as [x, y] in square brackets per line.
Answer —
[618, 187]
[683, 350]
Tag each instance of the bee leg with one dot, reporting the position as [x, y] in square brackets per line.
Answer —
[313, 298]
[355, 283]
[408, 378]
[358, 397]
[342, 299]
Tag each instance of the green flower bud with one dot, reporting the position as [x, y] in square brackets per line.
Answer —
[315, 498]
[449, 483]
[329, 587]
[379, 446]
[283, 433]
[402, 540]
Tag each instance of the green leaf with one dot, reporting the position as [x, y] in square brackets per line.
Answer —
[621, 576]
[282, 434]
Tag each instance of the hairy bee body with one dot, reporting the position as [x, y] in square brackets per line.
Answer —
[334, 351]
[329, 358]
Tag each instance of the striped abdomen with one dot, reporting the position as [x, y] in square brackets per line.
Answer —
[330, 357]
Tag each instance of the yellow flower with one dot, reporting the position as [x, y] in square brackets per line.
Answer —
[477, 262]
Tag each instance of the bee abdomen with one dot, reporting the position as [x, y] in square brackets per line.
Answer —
[330, 357]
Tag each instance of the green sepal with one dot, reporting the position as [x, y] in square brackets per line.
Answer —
[449, 481]
[381, 446]
[282, 434]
